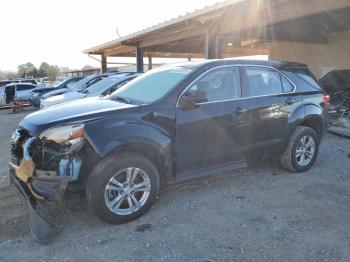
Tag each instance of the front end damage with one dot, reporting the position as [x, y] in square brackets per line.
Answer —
[42, 167]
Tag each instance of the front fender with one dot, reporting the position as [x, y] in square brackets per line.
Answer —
[106, 135]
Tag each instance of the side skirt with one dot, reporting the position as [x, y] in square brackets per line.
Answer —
[211, 171]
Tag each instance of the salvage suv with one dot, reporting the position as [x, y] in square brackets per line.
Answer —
[176, 122]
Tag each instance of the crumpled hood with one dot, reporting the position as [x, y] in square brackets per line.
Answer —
[82, 110]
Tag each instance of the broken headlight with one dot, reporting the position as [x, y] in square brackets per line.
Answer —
[63, 134]
[69, 138]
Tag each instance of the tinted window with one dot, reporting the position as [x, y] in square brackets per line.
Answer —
[287, 85]
[219, 84]
[24, 87]
[262, 81]
[305, 75]
[29, 81]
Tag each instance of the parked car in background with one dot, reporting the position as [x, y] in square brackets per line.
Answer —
[18, 91]
[337, 84]
[80, 85]
[3, 83]
[177, 122]
[38, 92]
[101, 88]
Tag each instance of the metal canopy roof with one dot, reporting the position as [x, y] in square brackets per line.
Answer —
[244, 28]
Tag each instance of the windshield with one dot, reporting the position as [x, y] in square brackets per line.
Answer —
[152, 85]
[102, 85]
[82, 82]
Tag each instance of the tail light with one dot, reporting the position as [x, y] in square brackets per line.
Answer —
[326, 99]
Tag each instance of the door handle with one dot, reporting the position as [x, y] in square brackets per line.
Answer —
[290, 101]
[239, 110]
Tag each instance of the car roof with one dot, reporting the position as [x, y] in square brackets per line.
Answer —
[234, 61]
[26, 84]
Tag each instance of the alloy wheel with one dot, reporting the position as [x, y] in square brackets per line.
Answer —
[305, 150]
[127, 191]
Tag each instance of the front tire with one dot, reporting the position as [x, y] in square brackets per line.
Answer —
[302, 150]
[122, 187]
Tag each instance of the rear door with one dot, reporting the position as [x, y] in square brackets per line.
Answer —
[205, 134]
[262, 98]
[23, 91]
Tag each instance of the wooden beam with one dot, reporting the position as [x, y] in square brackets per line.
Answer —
[159, 40]
[150, 65]
[139, 58]
[103, 63]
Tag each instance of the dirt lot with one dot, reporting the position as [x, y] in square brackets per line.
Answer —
[260, 214]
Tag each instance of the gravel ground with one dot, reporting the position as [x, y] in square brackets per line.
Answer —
[259, 214]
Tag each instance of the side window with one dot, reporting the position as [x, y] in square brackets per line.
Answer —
[219, 84]
[24, 87]
[287, 86]
[262, 81]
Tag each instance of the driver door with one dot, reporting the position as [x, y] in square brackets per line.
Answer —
[206, 134]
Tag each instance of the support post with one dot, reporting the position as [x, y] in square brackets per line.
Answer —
[139, 58]
[212, 44]
[103, 63]
[150, 65]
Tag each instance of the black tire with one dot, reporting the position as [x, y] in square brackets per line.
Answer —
[289, 160]
[104, 171]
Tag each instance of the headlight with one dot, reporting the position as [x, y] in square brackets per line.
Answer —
[61, 134]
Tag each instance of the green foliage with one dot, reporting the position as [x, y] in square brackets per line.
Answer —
[45, 70]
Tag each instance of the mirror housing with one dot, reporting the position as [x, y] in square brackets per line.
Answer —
[191, 98]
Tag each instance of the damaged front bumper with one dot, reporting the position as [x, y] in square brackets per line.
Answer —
[40, 228]
[38, 181]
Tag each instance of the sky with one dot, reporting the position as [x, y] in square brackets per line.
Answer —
[57, 31]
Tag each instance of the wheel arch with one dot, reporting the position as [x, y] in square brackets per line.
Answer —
[107, 137]
[157, 154]
[308, 115]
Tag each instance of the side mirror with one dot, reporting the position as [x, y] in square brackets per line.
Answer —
[191, 99]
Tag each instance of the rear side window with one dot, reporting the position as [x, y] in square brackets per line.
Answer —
[288, 87]
[24, 87]
[262, 81]
[304, 74]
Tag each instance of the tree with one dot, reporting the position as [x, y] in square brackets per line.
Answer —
[52, 72]
[64, 69]
[4, 75]
[25, 70]
[42, 72]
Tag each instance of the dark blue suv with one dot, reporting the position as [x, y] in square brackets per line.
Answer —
[177, 122]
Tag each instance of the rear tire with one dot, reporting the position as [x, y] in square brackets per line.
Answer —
[122, 187]
[302, 150]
